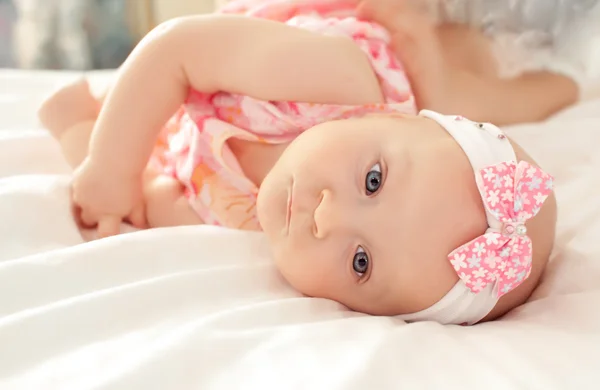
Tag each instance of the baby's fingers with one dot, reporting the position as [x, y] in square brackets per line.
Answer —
[138, 216]
[109, 225]
[86, 219]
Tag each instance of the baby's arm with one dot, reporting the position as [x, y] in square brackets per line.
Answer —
[258, 58]
[263, 59]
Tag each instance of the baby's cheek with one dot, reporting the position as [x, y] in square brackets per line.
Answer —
[300, 277]
[308, 270]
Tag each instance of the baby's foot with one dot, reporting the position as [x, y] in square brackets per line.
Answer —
[67, 107]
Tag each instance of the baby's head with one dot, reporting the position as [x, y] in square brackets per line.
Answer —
[366, 211]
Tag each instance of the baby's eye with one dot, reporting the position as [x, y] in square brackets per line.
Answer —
[373, 179]
[360, 263]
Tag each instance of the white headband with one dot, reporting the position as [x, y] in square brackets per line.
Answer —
[501, 258]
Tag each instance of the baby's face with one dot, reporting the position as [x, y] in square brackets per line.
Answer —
[358, 211]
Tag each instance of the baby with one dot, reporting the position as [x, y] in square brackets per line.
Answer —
[305, 126]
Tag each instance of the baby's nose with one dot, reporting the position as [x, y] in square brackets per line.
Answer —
[329, 215]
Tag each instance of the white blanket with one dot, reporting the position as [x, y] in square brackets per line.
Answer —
[203, 308]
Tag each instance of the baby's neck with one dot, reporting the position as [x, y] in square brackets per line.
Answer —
[255, 158]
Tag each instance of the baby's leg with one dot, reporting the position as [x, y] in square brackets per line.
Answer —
[70, 115]
[452, 70]
[166, 204]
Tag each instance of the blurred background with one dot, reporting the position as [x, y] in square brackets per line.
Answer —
[81, 34]
[99, 34]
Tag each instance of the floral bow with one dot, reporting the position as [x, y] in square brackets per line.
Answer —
[513, 193]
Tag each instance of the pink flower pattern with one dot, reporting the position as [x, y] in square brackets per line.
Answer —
[504, 257]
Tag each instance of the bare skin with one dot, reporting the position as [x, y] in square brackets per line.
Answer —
[159, 73]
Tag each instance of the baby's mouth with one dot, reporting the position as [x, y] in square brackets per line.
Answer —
[290, 200]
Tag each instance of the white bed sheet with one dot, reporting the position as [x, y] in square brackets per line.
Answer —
[203, 308]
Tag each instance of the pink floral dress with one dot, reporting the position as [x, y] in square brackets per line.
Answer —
[193, 145]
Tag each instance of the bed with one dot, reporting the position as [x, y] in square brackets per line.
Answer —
[203, 307]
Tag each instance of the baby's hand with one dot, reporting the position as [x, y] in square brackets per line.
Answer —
[104, 198]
